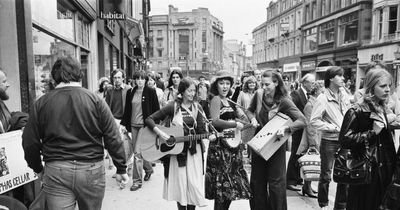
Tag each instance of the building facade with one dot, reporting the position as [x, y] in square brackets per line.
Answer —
[384, 44]
[35, 33]
[260, 40]
[192, 41]
[234, 59]
[332, 33]
[278, 40]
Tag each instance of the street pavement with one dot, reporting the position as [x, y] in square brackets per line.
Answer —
[149, 197]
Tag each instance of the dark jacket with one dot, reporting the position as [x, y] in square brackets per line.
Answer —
[355, 131]
[299, 98]
[71, 123]
[149, 105]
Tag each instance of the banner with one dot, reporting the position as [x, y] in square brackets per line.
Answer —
[14, 170]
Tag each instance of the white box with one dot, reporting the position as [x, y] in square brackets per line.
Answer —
[265, 142]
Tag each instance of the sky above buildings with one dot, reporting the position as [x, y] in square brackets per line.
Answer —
[239, 17]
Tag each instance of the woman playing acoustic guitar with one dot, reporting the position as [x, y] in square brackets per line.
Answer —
[184, 174]
[226, 179]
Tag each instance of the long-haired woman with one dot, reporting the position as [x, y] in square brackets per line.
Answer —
[171, 92]
[184, 176]
[366, 123]
[226, 179]
[271, 99]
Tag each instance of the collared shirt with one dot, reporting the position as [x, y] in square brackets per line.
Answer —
[328, 113]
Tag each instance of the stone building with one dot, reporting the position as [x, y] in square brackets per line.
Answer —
[192, 41]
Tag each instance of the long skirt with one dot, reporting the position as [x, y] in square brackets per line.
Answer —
[186, 184]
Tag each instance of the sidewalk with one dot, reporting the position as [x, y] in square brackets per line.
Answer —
[149, 197]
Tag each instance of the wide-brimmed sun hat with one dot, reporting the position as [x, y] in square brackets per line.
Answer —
[224, 75]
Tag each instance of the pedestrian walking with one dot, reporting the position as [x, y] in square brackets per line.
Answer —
[171, 91]
[152, 84]
[226, 179]
[115, 97]
[299, 98]
[202, 94]
[103, 86]
[184, 173]
[70, 127]
[366, 123]
[250, 86]
[310, 137]
[327, 117]
[268, 178]
[141, 102]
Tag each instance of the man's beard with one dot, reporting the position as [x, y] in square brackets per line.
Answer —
[3, 95]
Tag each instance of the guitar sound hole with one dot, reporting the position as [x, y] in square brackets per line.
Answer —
[170, 142]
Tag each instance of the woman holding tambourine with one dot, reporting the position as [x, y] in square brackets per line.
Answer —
[226, 179]
[269, 100]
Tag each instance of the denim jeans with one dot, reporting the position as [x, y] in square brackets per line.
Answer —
[66, 183]
[139, 164]
[327, 151]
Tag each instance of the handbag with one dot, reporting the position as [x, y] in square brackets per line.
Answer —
[352, 168]
[310, 165]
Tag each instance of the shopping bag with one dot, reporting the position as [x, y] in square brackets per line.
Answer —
[310, 165]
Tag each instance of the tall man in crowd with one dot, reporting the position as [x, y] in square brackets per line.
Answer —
[69, 127]
[327, 117]
[299, 98]
[115, 97]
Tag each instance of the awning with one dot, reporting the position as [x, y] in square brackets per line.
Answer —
[133, 28]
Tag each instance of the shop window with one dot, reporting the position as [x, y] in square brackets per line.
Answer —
[348, 29]
[55, 15]
[310, 40]
[392, 20]
[83, 31]
[327, 32]
[380, 23]
[46, 50]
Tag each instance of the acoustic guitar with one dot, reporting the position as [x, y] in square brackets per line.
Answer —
[150, 144]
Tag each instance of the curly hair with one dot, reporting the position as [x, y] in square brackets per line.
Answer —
[66, 69]
[248, 80]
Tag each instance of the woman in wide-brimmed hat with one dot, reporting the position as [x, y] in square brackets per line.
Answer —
[226, 179]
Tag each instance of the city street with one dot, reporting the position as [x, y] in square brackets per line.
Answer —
[149, 197]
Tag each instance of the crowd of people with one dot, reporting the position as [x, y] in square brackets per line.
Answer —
[72, 129]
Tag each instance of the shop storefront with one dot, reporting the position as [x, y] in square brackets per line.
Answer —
[60, 29]
[290, 70]
[307, 66]
[386, 54]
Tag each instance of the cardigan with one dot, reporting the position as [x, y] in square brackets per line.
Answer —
[149, 105]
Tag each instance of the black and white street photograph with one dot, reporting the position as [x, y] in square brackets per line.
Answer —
[199, 104]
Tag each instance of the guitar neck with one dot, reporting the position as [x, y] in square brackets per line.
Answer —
[192, 137]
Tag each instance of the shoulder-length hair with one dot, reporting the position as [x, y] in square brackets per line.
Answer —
[371, 79]
[140, 74]
[183, 86]
[280, 90]
[66, 69]
[214, 87]
[170, 83]
[248, 80]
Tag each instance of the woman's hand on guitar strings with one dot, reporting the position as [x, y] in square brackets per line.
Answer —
[212, 137]
[161, 134]
[239, 125]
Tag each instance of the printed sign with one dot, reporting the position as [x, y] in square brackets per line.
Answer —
[14, 170]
